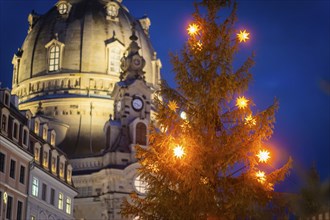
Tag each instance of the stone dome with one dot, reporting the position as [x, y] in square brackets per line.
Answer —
[70, 62]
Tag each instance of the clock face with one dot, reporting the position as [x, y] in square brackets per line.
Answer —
[137, 104]
[140, 185]
[137, 62]
[118, 106]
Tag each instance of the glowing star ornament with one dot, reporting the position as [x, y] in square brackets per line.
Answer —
[193, 29]
[173, 106]
[263, 156]
[241, 102]
[261, 176]
[243, 36]
[178, 151]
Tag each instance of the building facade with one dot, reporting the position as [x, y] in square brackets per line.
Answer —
[35, 176]
[89, 69]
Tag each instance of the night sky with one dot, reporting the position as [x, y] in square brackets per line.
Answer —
[291, 40]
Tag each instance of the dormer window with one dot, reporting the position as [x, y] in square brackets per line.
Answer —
[36, 126]
[25, 138]
[54, 58]
[45, 159]
[112, 11]
[115, 51]
[69, 174]
[4, 120]
[61, 170]
[52, 138]
[55, 51]
[44, 132]
[37, 152]
[53, 164]
[15, 130]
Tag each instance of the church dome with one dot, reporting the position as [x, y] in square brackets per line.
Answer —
[70, 62]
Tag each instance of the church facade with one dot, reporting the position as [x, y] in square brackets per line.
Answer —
[91, 68]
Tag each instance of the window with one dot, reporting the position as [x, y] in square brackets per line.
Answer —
[141, 134]
[62, 8]
[53, 164]
[52, 139]
[44, 192]
[68, 175]
[54, 58]
[19, 210]
[45, 159]
[60, 201]
[35, 186]
[36, 127]
[4, 123]
[22, 175]
[33, 217]
[7, 99]
[0, 203]
[61, 170]
[12, 169]
[15, 131]
[44, 134]
[52, 196]
[114, 59]
[2, 162]
[68, 205]
[9, 207]
[37, 154]
[112, 10]
[25, 137]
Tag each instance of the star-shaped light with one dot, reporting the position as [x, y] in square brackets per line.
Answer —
[263, 156]
[249, 120]
[178, 151]
[261, 176]
[173, 106]
[241, 102]
[243, 36]
[193, 29]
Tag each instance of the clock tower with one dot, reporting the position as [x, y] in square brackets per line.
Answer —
[132, 102]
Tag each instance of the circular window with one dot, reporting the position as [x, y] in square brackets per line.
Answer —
[140, 185]
[62, 8]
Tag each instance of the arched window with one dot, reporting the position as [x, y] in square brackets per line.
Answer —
[141, 134]
[54, 58]
[114, 60]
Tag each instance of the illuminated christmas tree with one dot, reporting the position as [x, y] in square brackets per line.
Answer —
[206, 147]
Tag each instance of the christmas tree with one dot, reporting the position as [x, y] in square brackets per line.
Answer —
[207, 144]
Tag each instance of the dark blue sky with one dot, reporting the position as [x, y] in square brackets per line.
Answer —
[291, 40]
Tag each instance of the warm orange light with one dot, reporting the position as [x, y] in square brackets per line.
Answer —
[173, 106]
[178, 151]
[249, 120]
[261, 176]
[243, 36]
[263, 156]
[183, 115]
[193, 29]
[241, 102]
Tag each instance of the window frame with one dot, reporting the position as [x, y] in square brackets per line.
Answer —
[68, 205]
[3, 162]
[12, 171]
[22, 178]
[35, 186]
[60, 200]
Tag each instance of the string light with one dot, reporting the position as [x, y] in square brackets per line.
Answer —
[173, 106]
[183, 115]
[249, 120]
[178, 151]
[261, 176]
